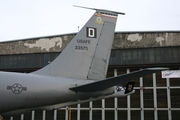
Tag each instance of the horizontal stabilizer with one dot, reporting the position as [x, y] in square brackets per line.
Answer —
[100, 10]
[113, 81]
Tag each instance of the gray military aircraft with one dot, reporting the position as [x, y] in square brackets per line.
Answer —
[77, 75]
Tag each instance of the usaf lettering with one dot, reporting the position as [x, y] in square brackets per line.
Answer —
[91, 32]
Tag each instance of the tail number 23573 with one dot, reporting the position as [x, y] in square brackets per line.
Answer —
[81, 48]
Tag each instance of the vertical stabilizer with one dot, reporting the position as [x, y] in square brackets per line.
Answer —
[87, 55]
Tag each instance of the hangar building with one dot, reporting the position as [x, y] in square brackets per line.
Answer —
[155, 98]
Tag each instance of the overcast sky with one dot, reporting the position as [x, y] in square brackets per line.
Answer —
[34, 18]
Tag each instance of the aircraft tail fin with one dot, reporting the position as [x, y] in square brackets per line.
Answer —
[87, 55]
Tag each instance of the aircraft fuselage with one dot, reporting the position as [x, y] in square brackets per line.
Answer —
[30, 91]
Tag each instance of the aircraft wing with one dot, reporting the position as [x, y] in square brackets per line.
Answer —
[113, 81]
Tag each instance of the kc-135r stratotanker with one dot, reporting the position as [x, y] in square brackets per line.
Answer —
[77, 75]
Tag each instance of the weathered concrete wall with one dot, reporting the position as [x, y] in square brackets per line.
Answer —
[121, 40]
[36, 45]
[143, 40]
